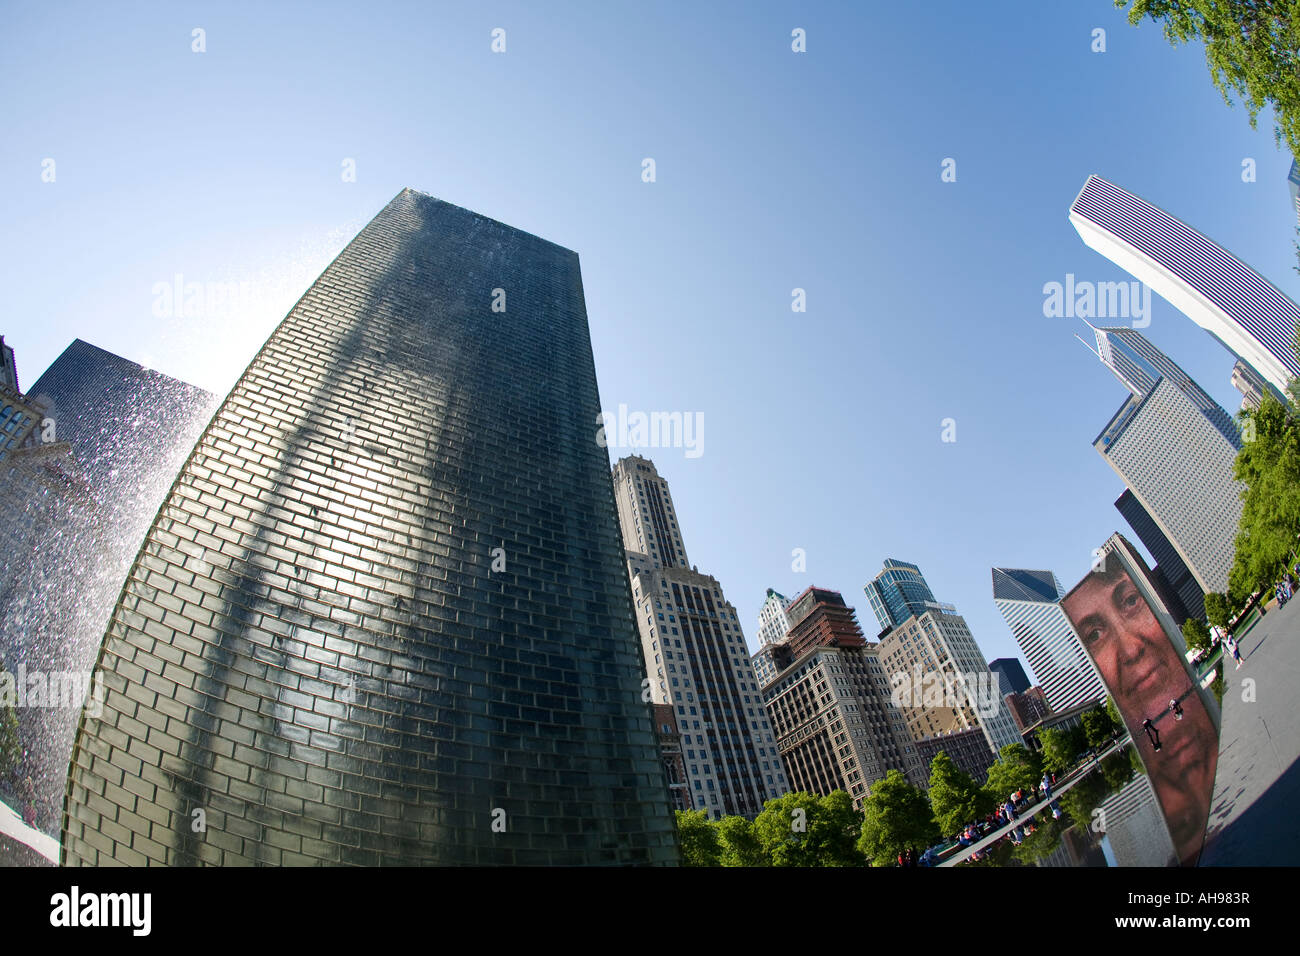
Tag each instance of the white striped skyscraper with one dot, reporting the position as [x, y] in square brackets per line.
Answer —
[1245, 312]
[1030, 603]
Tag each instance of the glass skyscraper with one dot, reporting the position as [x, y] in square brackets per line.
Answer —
[897, 593]
[383, 617]
[1245, 312]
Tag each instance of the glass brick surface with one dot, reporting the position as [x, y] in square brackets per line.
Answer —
[320, 646]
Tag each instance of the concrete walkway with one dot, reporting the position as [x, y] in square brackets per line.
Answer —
[1257, 784]
[17, 838]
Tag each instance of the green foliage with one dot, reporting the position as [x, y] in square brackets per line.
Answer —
[896, 816]
[699, 838]
[1217, 611]
[1061, 747]
[1018, 769]
[954, 796]
[1251, 48]
[739, 842]
[801, 829]
[1117, 769]
[1269, 466]
[1099, 726]
[1196, 634]
[1113, 712]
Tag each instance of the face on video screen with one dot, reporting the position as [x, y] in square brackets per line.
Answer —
[1143, 672]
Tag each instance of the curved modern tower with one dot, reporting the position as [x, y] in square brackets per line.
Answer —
[1244, 311]
[382, 616]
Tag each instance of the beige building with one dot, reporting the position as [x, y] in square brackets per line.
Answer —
[941, 681]
[696, 656]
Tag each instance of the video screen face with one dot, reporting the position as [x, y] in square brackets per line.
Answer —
[1155, 695]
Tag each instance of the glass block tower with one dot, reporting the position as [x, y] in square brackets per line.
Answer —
[382, 616]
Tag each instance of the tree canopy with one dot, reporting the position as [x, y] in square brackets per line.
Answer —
[699, 838]
[1018, 769]
[955, 797]
[802, 829]
[1252, 48]
[896, 816]
[1269, 466]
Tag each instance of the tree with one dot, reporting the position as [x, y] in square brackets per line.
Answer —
[802, 829]
[699, 838]
[1113, 711]
[1098, 726]
[1062, 746]
[954, 796]
[1217, 612]
[739, 844]
[1196, 634]
[896, 817]
[1018, 769]
[1269, 466]
[1251, 48]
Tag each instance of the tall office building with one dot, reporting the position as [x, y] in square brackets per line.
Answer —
[1138, 365]
[830, 706]
[1012, 678]
[382, 617]
[1186, 599]
[897, 593]
[20, 415]
[1251, 385]
[773, 621]
[1179, 465]
[646, 514]
[1030, 603]
[696, 657]
[1241, 309]
[936, 651]
[8, 367]
[1293, 180]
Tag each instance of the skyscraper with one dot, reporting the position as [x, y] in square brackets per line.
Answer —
[1138, 365]
[1030, 603]
[1293, 180]
[1179, 465]
[897, 593]
[1245, 312]
[773, 622]
[1187, 599]
[935, 652]
[696, 656]
[830, 706]
[382, 617]
[1011, 676]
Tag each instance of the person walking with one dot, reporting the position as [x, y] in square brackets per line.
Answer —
[1230, 645]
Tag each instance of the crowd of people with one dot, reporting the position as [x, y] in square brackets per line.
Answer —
[1285, 588]
[1009, 812]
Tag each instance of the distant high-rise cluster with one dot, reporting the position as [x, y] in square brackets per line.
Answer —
[830, 705]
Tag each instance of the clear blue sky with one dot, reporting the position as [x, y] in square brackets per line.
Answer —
[775, 170]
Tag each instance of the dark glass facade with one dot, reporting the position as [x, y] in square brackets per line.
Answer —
[383, 616]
